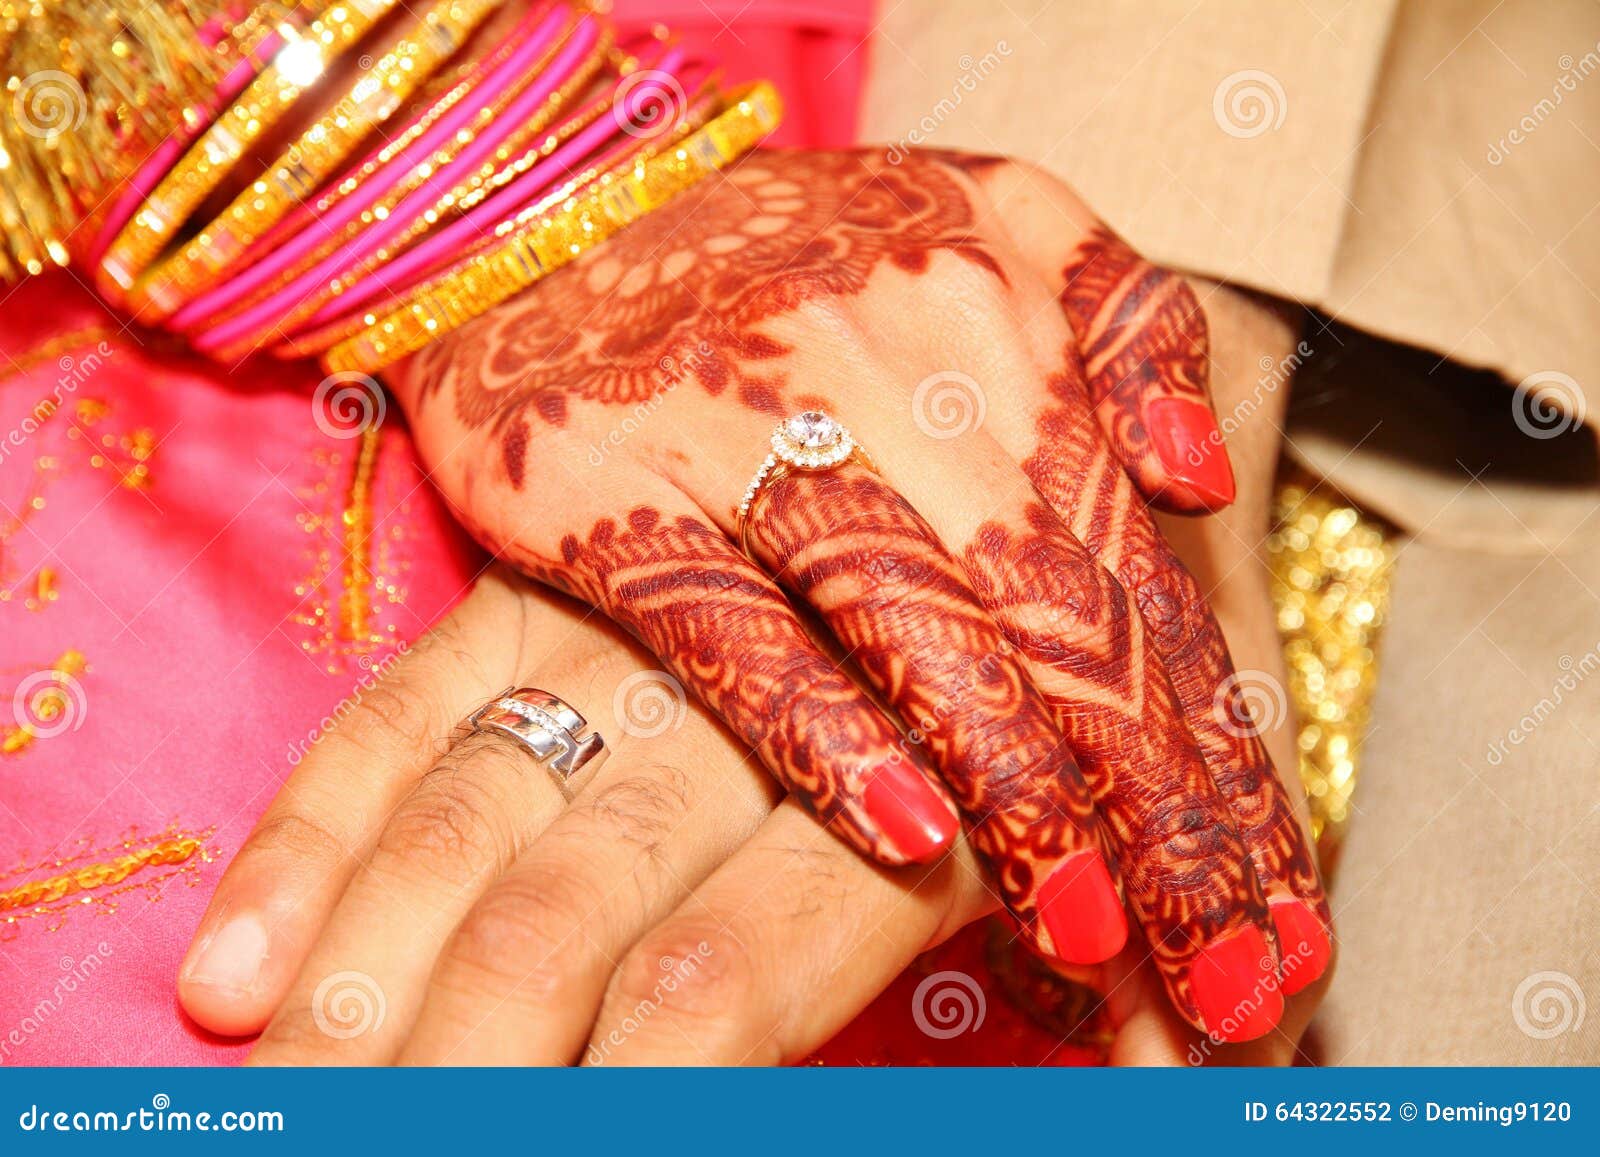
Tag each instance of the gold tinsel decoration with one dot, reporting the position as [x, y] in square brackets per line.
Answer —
[92, 86]
[1331, 565]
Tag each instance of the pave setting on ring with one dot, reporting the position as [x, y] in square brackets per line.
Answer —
[810, 440]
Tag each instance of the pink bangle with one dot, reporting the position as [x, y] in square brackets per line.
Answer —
[478, 225]
[262, 317]
[297, 239]
[160, 161]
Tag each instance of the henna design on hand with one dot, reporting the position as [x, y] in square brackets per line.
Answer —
[687, 290]
[855, 550]
[727, 633]
[1145, 349]
[1077, 474]
[1184, 867]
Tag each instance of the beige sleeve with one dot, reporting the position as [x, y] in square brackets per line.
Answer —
[1428, 171]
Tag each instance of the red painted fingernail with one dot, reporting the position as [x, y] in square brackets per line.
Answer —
[1235, 986]
[905, 808]
[1304, 949]
[1186, 437]
[1082, 911]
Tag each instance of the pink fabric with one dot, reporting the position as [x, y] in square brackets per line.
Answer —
[200, 675]
[194, 602]
[815, 51]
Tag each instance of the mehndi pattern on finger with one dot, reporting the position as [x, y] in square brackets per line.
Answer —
[1145, 347]
[850, 546]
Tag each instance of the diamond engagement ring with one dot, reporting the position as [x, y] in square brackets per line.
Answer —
[549, 729]
[810, 440]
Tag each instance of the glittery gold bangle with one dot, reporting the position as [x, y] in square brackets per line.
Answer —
[201, 170]
[442, 205]
[313, 343]
[545, 244]
[370, 100]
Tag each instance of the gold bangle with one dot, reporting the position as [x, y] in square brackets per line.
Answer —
[318, 341]
[370, 101]
[428, 218]
[545, 244]
[198, 173]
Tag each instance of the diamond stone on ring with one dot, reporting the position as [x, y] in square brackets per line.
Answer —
[810, 440]
[549, 729]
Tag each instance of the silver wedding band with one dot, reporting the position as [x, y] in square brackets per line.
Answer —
[549, 729]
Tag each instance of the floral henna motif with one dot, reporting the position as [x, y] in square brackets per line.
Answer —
[728, 634]
[688, 289]
[848, 545]
[1184, 868]
[1144, 343]
[1077, 475]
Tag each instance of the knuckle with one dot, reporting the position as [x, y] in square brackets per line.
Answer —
[295, 1035]
[297, 837]
[1174, 831]
[528, 929]
[449, 825]
[690, 970]
[1169, 602]
[389, 714]
[643, 810]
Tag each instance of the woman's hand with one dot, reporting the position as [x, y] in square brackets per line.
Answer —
[1000, 586]
[409, 900]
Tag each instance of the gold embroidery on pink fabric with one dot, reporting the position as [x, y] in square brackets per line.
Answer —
[46, 703]
[98, 877]
[126, 454]
[355, 570]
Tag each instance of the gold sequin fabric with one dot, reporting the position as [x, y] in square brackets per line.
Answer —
[1331, 564]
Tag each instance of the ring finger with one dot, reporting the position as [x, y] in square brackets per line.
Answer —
[461, 826]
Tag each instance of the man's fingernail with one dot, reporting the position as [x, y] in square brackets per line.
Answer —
[1082, 911]
[1235, 986]
[1304, 949]
[1186, 437]
[909, 812]
[230, 959]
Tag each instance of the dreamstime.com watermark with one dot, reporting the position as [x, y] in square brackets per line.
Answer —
[1248, 103]
[1547, 1005]
[73, 372]
[159, 1117]
[1573, 674]
[1548, 404]
[649, 703]
[49, 703]
[672, 373]
[49, 103]
[674, 974]
[1573, 73]
[948, 404]
[948, 1004]
[75, 976]
[346, 1005]
[1275, 374]
[374, 672]
[1290, 958]
[973, 72]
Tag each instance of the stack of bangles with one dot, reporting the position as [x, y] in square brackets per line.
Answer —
[387, 172]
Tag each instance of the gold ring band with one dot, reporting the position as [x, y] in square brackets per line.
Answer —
[809, 441]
